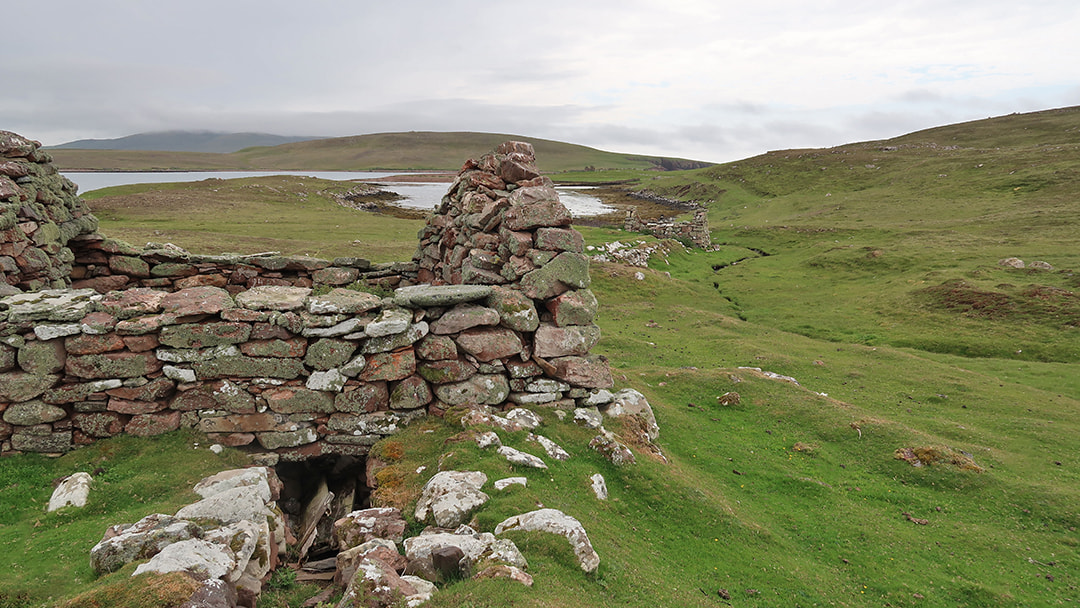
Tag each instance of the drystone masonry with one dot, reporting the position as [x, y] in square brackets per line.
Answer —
[39, 215]
[694, 233]
[262, 351]
[106, 265]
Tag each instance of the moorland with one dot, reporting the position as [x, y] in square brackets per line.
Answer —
[866, 276]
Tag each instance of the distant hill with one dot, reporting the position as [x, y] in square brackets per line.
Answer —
[415, 150]
[183, 141]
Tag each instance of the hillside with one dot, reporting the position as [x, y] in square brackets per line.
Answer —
[182, 141]
[858, 405]
[382, 151]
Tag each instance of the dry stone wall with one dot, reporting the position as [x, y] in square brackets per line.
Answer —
[106, 265]
[258, 351]
[694, 233]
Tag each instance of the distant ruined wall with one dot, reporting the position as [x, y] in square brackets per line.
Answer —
[694, 233]
[262, 351]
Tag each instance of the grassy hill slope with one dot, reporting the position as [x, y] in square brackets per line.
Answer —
[382, 151]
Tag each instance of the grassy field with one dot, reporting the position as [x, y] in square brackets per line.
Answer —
[877, 289]
[415, 150]
[296, 216]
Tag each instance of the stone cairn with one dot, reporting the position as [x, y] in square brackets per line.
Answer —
[39, 215]
[279, 368]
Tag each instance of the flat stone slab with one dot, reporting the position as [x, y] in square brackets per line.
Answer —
[273, 297]
[49, 305]
[440, 295]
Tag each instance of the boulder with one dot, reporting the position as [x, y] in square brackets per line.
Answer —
[449, 497]
[521, 458]
[556, 522]
[630, 402]
[201, 558]
[126, 543]
[359, 527]
[72, 491]
[375, 585]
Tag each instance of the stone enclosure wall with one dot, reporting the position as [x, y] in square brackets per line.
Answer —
[262, 351]
[694, 233]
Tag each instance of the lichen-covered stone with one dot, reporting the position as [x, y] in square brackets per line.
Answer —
[42, 358]
[489, 343]
[249, 367]
[366, 398]
[113, 365]
[297, 400]
[33, 412]
[554, 341]
[203, 335]
[489, 389]
[410, 393]
[446, 371]
[327, 353]
[575, 307]
[344, 301]
[395, 365]
[273, 297]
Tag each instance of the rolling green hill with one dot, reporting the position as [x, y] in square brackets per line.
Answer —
[382, 151]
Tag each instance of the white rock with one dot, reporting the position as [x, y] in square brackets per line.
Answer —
[242, 538]
[330, 380]
[420, 547]
[556, 522]
[178, 374]
[228, 506]
[50, 332]
[630, 401]
[200, 557]
[391, 321]
[528, 419]
[598, 397]
[256, 478]
[72, 491]
[502, 484]
[599, 486]
[487, 439]
[553, 449]
[521, 458]
[450, 496]
[424, 590]
[589, 418]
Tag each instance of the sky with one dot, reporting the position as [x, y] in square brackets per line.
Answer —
[712, 80]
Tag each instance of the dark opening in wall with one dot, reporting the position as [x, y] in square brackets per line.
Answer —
[317, 493]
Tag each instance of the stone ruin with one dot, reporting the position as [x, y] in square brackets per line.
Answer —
[693, 233]
[260, 351]
[269, 354]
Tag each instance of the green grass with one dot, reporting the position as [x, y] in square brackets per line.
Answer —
[46, 556]
[293, 215]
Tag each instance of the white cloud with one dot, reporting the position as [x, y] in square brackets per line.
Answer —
[707, 79]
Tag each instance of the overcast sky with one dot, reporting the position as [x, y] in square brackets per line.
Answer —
[714, 80]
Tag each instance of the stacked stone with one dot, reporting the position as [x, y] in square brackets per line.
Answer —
[274, 367]
[694, 233]
[501, 223]
[107, 265]
[39, 214]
